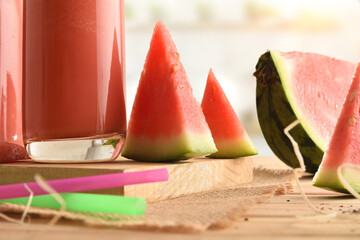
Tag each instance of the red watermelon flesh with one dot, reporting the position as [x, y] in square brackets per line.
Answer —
[166, 122]
[231, 138]
[318, 101]
[344, 144]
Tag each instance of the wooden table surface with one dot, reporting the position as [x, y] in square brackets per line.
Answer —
[281, 218]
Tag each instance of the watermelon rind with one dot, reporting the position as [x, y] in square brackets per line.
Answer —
[277, 109]
[285, 77]
[188, 145]
[166, 122]
[230, 136]
[343, 152]
[234, 148]
[328, 179]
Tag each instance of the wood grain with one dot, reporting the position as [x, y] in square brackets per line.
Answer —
[186, 177]
[273, 220]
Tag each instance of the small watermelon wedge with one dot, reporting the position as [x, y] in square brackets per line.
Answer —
[231, 138]
[344, 144]
[166, 121]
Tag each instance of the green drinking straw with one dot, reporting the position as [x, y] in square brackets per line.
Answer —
[88, 202]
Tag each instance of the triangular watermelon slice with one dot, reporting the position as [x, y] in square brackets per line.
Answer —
[231, 138]
[166, 121]
[344, 144]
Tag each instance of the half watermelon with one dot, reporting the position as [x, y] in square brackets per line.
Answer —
[166, 122]
[231, 138]
[344, 145]
[305, 86]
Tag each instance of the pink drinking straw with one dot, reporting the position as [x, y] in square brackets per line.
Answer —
[79, 184]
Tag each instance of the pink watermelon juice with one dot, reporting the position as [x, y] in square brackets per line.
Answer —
[11, 142]
[73, 69]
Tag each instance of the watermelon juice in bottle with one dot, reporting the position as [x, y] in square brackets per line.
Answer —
[74, 80]
[11, 142]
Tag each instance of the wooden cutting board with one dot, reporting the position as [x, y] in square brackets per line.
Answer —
[185, 177]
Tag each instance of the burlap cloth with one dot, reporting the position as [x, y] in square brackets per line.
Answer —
[192, 213]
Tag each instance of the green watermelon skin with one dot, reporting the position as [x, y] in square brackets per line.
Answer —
[344, 144]
[275, 110]
[230, 136]
[166, 122]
